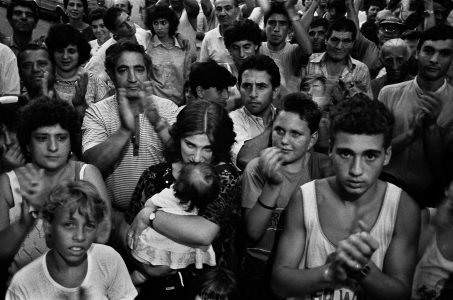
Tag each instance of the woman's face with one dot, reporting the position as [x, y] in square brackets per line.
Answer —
[196, 148]
[75, 9]
[50, 147]
[161, 27]
[67, 59]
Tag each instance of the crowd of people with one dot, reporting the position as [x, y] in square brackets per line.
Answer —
[283, 149]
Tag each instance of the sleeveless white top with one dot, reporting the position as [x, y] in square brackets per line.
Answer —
[318, 247]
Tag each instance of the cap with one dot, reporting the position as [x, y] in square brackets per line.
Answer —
[390, 20]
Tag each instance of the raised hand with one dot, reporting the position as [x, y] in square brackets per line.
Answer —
[12, 157]
[33, 185]
[140, 223]
[431, 104]
[270, 162]
[150, 108]
[126, 115]
[81, 89]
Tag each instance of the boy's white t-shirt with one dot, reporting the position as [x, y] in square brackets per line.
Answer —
[107, 278]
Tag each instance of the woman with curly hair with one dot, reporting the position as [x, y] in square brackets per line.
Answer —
[46, 132]
[68, 51]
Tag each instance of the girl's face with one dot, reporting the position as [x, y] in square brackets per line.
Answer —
[161, 27]
[75, 9]
[196, 148]
[50, 147]
[317, 89]
[67, 59]
[100, 31]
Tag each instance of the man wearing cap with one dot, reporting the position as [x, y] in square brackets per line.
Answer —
[389, 27]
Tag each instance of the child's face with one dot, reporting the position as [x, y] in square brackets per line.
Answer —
[71, 235]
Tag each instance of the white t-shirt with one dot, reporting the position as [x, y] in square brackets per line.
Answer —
[107, 278]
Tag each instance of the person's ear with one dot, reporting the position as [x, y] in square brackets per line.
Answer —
[313, 139]
[387, 155]
[200, 92]
[275, 92]
[47, 226]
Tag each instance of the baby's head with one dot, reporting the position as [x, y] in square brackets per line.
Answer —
[197, 184]
[72, 214]
[218, 283]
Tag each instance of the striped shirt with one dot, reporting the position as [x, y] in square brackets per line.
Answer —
[101, 121]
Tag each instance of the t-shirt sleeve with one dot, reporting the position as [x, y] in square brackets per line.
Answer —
[120, 285]
[94, 130]
[204, 54]
[252, 184]
[15, 293]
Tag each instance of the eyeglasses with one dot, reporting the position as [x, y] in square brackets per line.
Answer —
[389, 28]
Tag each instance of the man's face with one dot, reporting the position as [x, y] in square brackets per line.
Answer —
[240, 50]
[387, 32]
[292, 136]
[318, 38]
[434, 59]
[123, 5]
[277, 27]
[34, 66]
[124, 27]
[214, 94]
[22, 20]
[395, 60]
[256, 91]
[130, 73]
[372, 12]
[358, 160]
[226, 12]
[339, 45]
[439, 13]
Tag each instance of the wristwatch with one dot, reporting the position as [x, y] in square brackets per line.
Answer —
[363, 273]
[152, 216]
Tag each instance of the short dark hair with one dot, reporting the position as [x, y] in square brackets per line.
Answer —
[338, 5]
[245, 30]
[318, 21]
[43, 112]
[343, 24]
[165, 12]
[9, 113]
[411, 35]
[24, 3]
[113, 53]
[209, 74]
[61, 36]
[203, 117]
[361, 115]
[84, 4]
[96, 14]
[377, 3]
[305, 107]
[79, 196]
[197, 185]
[261, 62]
[110, 17]
[436, 33]
[217, 283]
[278, 9]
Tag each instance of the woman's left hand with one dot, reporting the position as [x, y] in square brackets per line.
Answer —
[140, 223]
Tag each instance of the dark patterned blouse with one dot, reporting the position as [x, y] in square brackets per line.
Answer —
[225, 211]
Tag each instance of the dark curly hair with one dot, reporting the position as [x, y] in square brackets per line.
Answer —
[30, 4]
[305, 107]
[43, 112]
[61, 36]
[79, 196]
[203, 117]
[361, 115]
[245, 30]
[96, 14]
[261, 62]
[162, 11]
[342, 25]
[278, 9]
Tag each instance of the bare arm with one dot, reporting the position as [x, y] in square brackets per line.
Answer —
[287, 279]
[307, 18]
[207, 7]
[395, 280]
[93, 176]
[433, 146]
[352, 15]
[248, 8]
[192, 9]
[300, 32]
[429, 20]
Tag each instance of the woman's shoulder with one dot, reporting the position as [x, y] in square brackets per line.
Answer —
[157, 169]
[227, 169]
